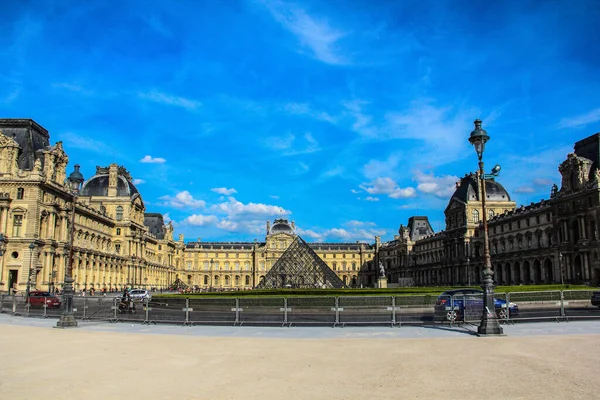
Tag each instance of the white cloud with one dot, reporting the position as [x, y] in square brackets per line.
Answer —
[359, 223]
[334, 171]
[281, 142]
[375, 168]
[309, 233]
[404, 193]
[542, 182]
[73, 88]
[183, 200]
[166, 218]
[81, 142]
[306, 109]
[138, 181]
[369, 198]
[290, 145]
[524, 189]
[152, 160]
[234, 207]
[316, 35]
[274, 197]
[224, 191]
[386, 185]
[228, 225]
[164, 98]
[355, 191]
[362, 122]
[200, 220]
[440, 186]
[580, 120]
[442, 130]
[379, 186]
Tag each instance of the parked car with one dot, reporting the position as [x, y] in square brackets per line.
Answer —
[453, 305]
[596, 299]
[140, 295]
[38, 298]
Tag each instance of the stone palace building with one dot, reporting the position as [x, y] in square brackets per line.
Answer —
[117, 243]
[552, 241]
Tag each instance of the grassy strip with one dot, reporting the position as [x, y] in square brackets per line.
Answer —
[411, 291]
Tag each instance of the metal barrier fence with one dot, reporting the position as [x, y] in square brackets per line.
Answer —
[332, 311]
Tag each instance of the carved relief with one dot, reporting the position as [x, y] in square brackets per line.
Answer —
[575, 171]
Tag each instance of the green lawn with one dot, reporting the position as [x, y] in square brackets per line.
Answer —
[410, 291]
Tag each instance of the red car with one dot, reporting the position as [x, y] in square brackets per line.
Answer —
[37, 298]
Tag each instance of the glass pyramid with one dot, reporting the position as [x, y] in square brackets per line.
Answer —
[299, 267]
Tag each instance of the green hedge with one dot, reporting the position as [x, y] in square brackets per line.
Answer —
[410, 291]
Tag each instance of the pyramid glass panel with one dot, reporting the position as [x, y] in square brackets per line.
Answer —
[299, 267]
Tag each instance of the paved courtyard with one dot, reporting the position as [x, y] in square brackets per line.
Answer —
[99, 360]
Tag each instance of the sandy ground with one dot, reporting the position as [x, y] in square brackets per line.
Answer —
[40, 362]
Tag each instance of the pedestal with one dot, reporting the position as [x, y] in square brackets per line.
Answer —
[382, 282]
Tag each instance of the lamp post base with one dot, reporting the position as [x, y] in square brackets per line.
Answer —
[489, 327]
[66, 321]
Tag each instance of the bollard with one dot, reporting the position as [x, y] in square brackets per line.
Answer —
[393, 311]
[562, 307]
[147, 318]
[14, 306]
[115, 308]
[187, 313]
[337, 312]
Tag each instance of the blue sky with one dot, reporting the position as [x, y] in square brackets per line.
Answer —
[347, 117]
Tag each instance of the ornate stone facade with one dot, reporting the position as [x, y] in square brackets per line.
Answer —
[112, 246]
[244, 264]
[552, 241]
[116, 243]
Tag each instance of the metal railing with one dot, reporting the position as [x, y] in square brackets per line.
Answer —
[330, 311]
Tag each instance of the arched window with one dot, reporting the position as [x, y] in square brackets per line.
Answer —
[205, 279]
[119, 213]
[335, 266]
[118, 231]
[475, 216]
[20, 192]
[247, 280]
[490, 214]
[353, 266]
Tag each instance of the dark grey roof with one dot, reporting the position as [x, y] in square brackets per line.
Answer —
[29, 135]
[419, 227]
[156, 224]
[467, 190]
[338, 246]
[97, 185]
[281, 226]
[222, 245]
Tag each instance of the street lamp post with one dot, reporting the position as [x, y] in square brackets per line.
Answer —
[489, 322]
[28, 289]
[67, 319]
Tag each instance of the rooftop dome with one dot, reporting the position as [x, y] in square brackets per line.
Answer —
[281, 226]
[98, 184]
[467, 190]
